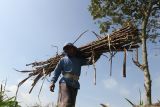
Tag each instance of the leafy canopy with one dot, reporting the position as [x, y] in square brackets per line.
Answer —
[112, 13]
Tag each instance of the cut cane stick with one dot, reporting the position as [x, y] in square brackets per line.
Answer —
[94, 66]
[124, 64]
[137, 54]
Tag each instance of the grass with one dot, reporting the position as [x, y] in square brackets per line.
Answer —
[6, 101]
[141, 103]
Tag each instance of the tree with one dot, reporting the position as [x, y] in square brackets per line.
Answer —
[143, 13]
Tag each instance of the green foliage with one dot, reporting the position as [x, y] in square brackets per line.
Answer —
[120, 12]
[5, 101]
[130, 102]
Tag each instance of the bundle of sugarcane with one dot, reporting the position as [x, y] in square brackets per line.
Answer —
[124, 38]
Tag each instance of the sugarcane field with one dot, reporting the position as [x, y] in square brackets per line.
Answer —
[89, 53]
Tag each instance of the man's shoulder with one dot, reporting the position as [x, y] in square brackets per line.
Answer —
[64, 58]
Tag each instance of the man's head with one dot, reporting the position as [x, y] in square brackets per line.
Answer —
[70, 49]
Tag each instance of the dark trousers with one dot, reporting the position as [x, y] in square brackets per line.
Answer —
[67, 95]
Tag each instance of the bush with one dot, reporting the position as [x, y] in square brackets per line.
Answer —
[6, 101]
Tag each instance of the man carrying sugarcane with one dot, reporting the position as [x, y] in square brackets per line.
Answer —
[70, 67]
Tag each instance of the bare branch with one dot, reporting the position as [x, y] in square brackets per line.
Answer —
[138, 64]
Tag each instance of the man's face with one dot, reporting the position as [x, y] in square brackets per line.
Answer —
[71, 51]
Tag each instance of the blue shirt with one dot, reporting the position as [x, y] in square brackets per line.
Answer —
[69, 65]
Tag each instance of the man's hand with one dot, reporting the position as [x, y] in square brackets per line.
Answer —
[52, 87]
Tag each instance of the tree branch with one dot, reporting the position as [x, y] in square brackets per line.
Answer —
[138, 64]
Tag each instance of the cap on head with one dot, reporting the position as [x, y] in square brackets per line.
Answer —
[69, 45]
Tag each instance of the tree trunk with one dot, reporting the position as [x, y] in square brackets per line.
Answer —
[147, 78]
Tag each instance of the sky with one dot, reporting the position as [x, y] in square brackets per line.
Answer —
[29, 28]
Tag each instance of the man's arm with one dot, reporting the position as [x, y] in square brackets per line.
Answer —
[57, 72]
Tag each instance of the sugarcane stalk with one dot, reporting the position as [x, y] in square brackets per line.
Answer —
[124, 63]
[80, 36]
[137, 54]
[94, 66]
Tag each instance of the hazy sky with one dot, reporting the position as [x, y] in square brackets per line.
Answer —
[28, 28]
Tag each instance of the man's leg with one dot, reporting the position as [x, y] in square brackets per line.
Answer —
[67, 96]
[74, 92]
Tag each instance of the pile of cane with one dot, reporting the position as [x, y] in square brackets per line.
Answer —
[124, 39]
